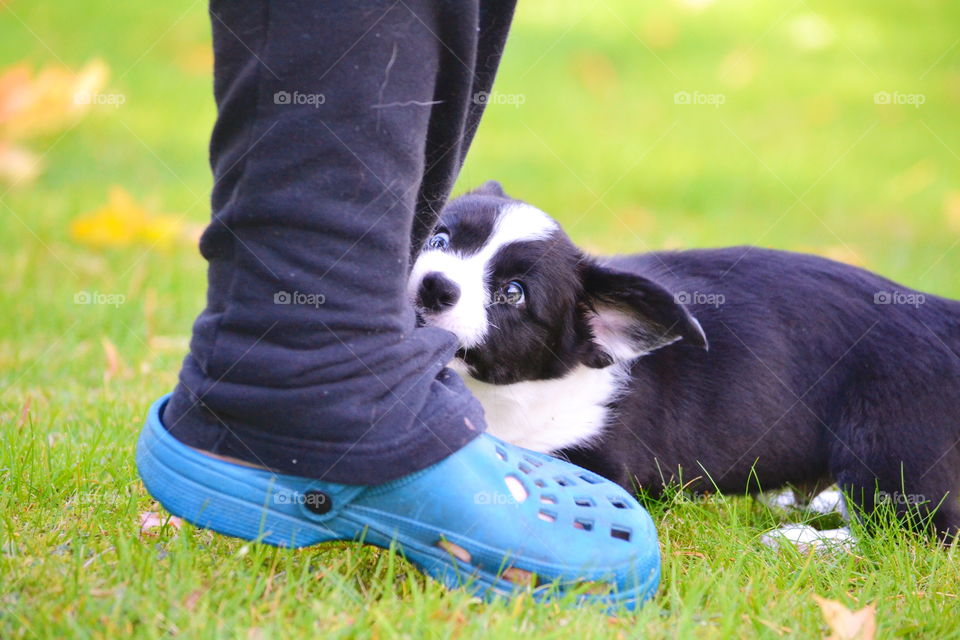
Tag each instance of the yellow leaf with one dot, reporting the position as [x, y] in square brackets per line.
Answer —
[197, 59]
[844, 253]
[914, 180]
[48, 102]
[846, 624]
[951, 207]
[122, 223]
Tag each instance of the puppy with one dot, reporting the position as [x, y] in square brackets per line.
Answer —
[722, 369]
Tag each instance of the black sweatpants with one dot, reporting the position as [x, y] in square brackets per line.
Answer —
[341, 128]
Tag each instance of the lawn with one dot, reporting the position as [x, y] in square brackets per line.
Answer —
[816, 126]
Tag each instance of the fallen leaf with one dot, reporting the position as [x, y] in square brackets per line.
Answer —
[18, 165]
[846, 624]
[197, 59]
[841, 253]
[48, 101]
[913, 180]
[596, 72]
[951, 208]
[193, 597]
[844, 253]
[150, 520]
[24, 413]
[114, 364]
[738, 68]
[122, 222]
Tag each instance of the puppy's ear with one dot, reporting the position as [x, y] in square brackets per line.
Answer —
[490, 188]
[630, 316]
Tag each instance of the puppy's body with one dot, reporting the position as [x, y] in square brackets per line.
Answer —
[816, 371]
[808, 380]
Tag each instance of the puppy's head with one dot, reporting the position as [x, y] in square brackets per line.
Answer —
[525, 303]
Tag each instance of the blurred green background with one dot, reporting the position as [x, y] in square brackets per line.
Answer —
[785, 143]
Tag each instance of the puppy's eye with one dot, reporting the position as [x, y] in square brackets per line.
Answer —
[511, 293]
[439, 241]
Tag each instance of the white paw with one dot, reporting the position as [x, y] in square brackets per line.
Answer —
[830, 501]
[805, 538]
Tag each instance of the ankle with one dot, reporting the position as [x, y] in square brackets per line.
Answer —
[231, 460]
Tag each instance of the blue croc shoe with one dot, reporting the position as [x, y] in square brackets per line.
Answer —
[492, 517]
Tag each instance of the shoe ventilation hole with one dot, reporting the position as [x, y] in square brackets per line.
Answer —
[519, 576]
[547, 516]
[455, 550]
[584, 502]
[619, 504]
[540, 483]
[533, 461]
[548, 499]
[590, 479]
[620, 533]
[524, 467]
[501, 454]
[516, 488]
[563, 482]
[582, 523]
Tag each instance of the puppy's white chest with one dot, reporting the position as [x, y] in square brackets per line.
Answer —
[549, 415]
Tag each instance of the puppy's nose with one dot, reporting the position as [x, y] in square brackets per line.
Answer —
[437, 292]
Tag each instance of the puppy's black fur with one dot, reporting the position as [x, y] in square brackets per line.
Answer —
[809, 379]
[816, 372]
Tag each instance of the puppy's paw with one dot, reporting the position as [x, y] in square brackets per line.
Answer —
[806, 539]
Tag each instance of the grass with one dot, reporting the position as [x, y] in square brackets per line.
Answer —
[798, 156]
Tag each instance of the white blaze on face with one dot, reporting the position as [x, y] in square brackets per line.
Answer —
[467, 319]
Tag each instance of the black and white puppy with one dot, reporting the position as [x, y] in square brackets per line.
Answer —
[816, 372]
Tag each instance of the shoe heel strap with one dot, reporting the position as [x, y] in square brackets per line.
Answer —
[317, 501]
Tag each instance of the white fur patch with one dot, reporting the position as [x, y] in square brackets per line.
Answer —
[806, 539]
[549, 415]
[467, 319]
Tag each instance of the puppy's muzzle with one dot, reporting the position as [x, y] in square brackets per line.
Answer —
[437, 292]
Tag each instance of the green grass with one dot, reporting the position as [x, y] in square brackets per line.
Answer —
[798, 156]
